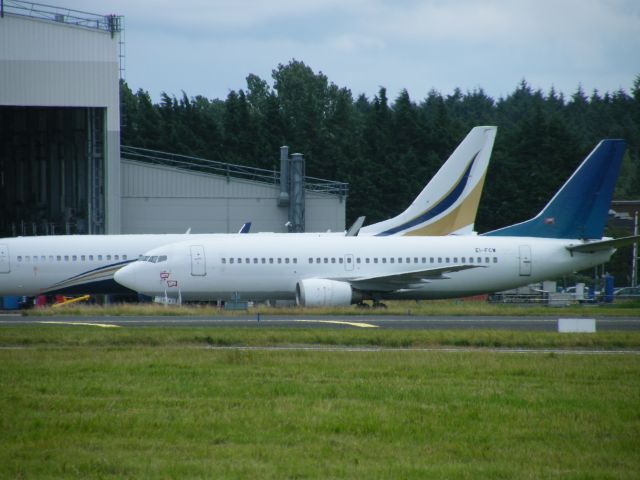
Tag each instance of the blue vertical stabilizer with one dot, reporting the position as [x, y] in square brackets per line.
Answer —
[579, 209]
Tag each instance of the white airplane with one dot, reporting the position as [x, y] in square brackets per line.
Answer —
[334, 271]
[81, 264]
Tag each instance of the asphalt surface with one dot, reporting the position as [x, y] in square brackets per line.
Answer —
[519, 323]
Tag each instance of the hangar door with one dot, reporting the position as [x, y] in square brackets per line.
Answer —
[52, 170]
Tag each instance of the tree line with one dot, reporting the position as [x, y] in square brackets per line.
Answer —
[386, 149]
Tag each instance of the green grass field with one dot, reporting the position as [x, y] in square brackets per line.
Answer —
[82, 402]
[430, 307]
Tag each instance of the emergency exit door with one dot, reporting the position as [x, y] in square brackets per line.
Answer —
[198, 261]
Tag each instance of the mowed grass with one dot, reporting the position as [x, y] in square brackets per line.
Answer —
[163, 405]
[428, 307]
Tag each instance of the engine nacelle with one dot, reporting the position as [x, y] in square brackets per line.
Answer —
[316, 292]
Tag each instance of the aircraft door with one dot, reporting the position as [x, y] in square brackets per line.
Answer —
[348, 261]
[4, 259]
[198, 261]
[525, 260]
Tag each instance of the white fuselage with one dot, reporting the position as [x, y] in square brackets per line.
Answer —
[85, 264]
[264, 268]
[71, 263]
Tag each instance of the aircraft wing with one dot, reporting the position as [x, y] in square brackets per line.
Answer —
[600, 245]
[409, 280]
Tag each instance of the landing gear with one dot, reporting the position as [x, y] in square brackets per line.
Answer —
[363, 306]
[379, 305]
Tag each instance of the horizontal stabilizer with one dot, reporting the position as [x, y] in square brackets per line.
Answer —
[598, 246]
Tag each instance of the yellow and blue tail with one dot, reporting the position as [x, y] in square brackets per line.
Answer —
[579, 209]
[449, 202]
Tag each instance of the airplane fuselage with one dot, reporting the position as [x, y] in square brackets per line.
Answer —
[392, 267]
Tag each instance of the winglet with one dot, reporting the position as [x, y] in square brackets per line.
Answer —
[355, 228]
[579, 209]
[245, 227]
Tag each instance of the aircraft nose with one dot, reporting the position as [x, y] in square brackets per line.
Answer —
[127, 277]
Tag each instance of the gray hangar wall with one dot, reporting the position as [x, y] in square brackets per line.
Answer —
[59, 122]
[160, 199]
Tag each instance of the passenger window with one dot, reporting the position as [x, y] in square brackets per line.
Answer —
[116, 257]
[108, 257]
[263, 260]
[124, 257]
[431, 260]
[358, 260]
[424, 259]
[318, 260]
[231, 260]
[446, 259]
[384, 259]
[247, 260]
[19, 258]
[271, 260]
[415, 259]
[91, 258]
[463, 259]
[495, 259]
[439, 259]
[375, 260]
[66, 258]
[310, 260]
[326, 260]
[479, 259]
[255, 260]
[333, 259]
[99, 257]
[51, 258]
[391, 260]
[43, 258]
[224, 260]
[286, 260]
[340, 260]
[58, 258]
[399, 259]
[470, 259]
[279, 260]
[486, 260]
[366, 260]
[455, 259]
[348, 259]
[295, 260]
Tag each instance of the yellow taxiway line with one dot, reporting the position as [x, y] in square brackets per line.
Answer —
[338, 322]
[102, 325]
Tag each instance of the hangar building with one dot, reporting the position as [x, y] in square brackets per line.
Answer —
[63, 170]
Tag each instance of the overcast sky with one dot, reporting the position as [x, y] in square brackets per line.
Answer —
[208, 47]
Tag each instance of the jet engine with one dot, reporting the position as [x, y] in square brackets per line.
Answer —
[317, 292]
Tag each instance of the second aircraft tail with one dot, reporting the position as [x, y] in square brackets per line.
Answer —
[449, 202]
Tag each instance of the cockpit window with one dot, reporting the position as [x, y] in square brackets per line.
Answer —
[153, 258]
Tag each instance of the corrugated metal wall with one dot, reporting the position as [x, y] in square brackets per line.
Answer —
[50, 64]
[157, 199]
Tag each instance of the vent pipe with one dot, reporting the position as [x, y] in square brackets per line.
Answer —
[283, 198]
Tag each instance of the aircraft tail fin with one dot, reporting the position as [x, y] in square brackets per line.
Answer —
[579, 209]
[449, 202]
